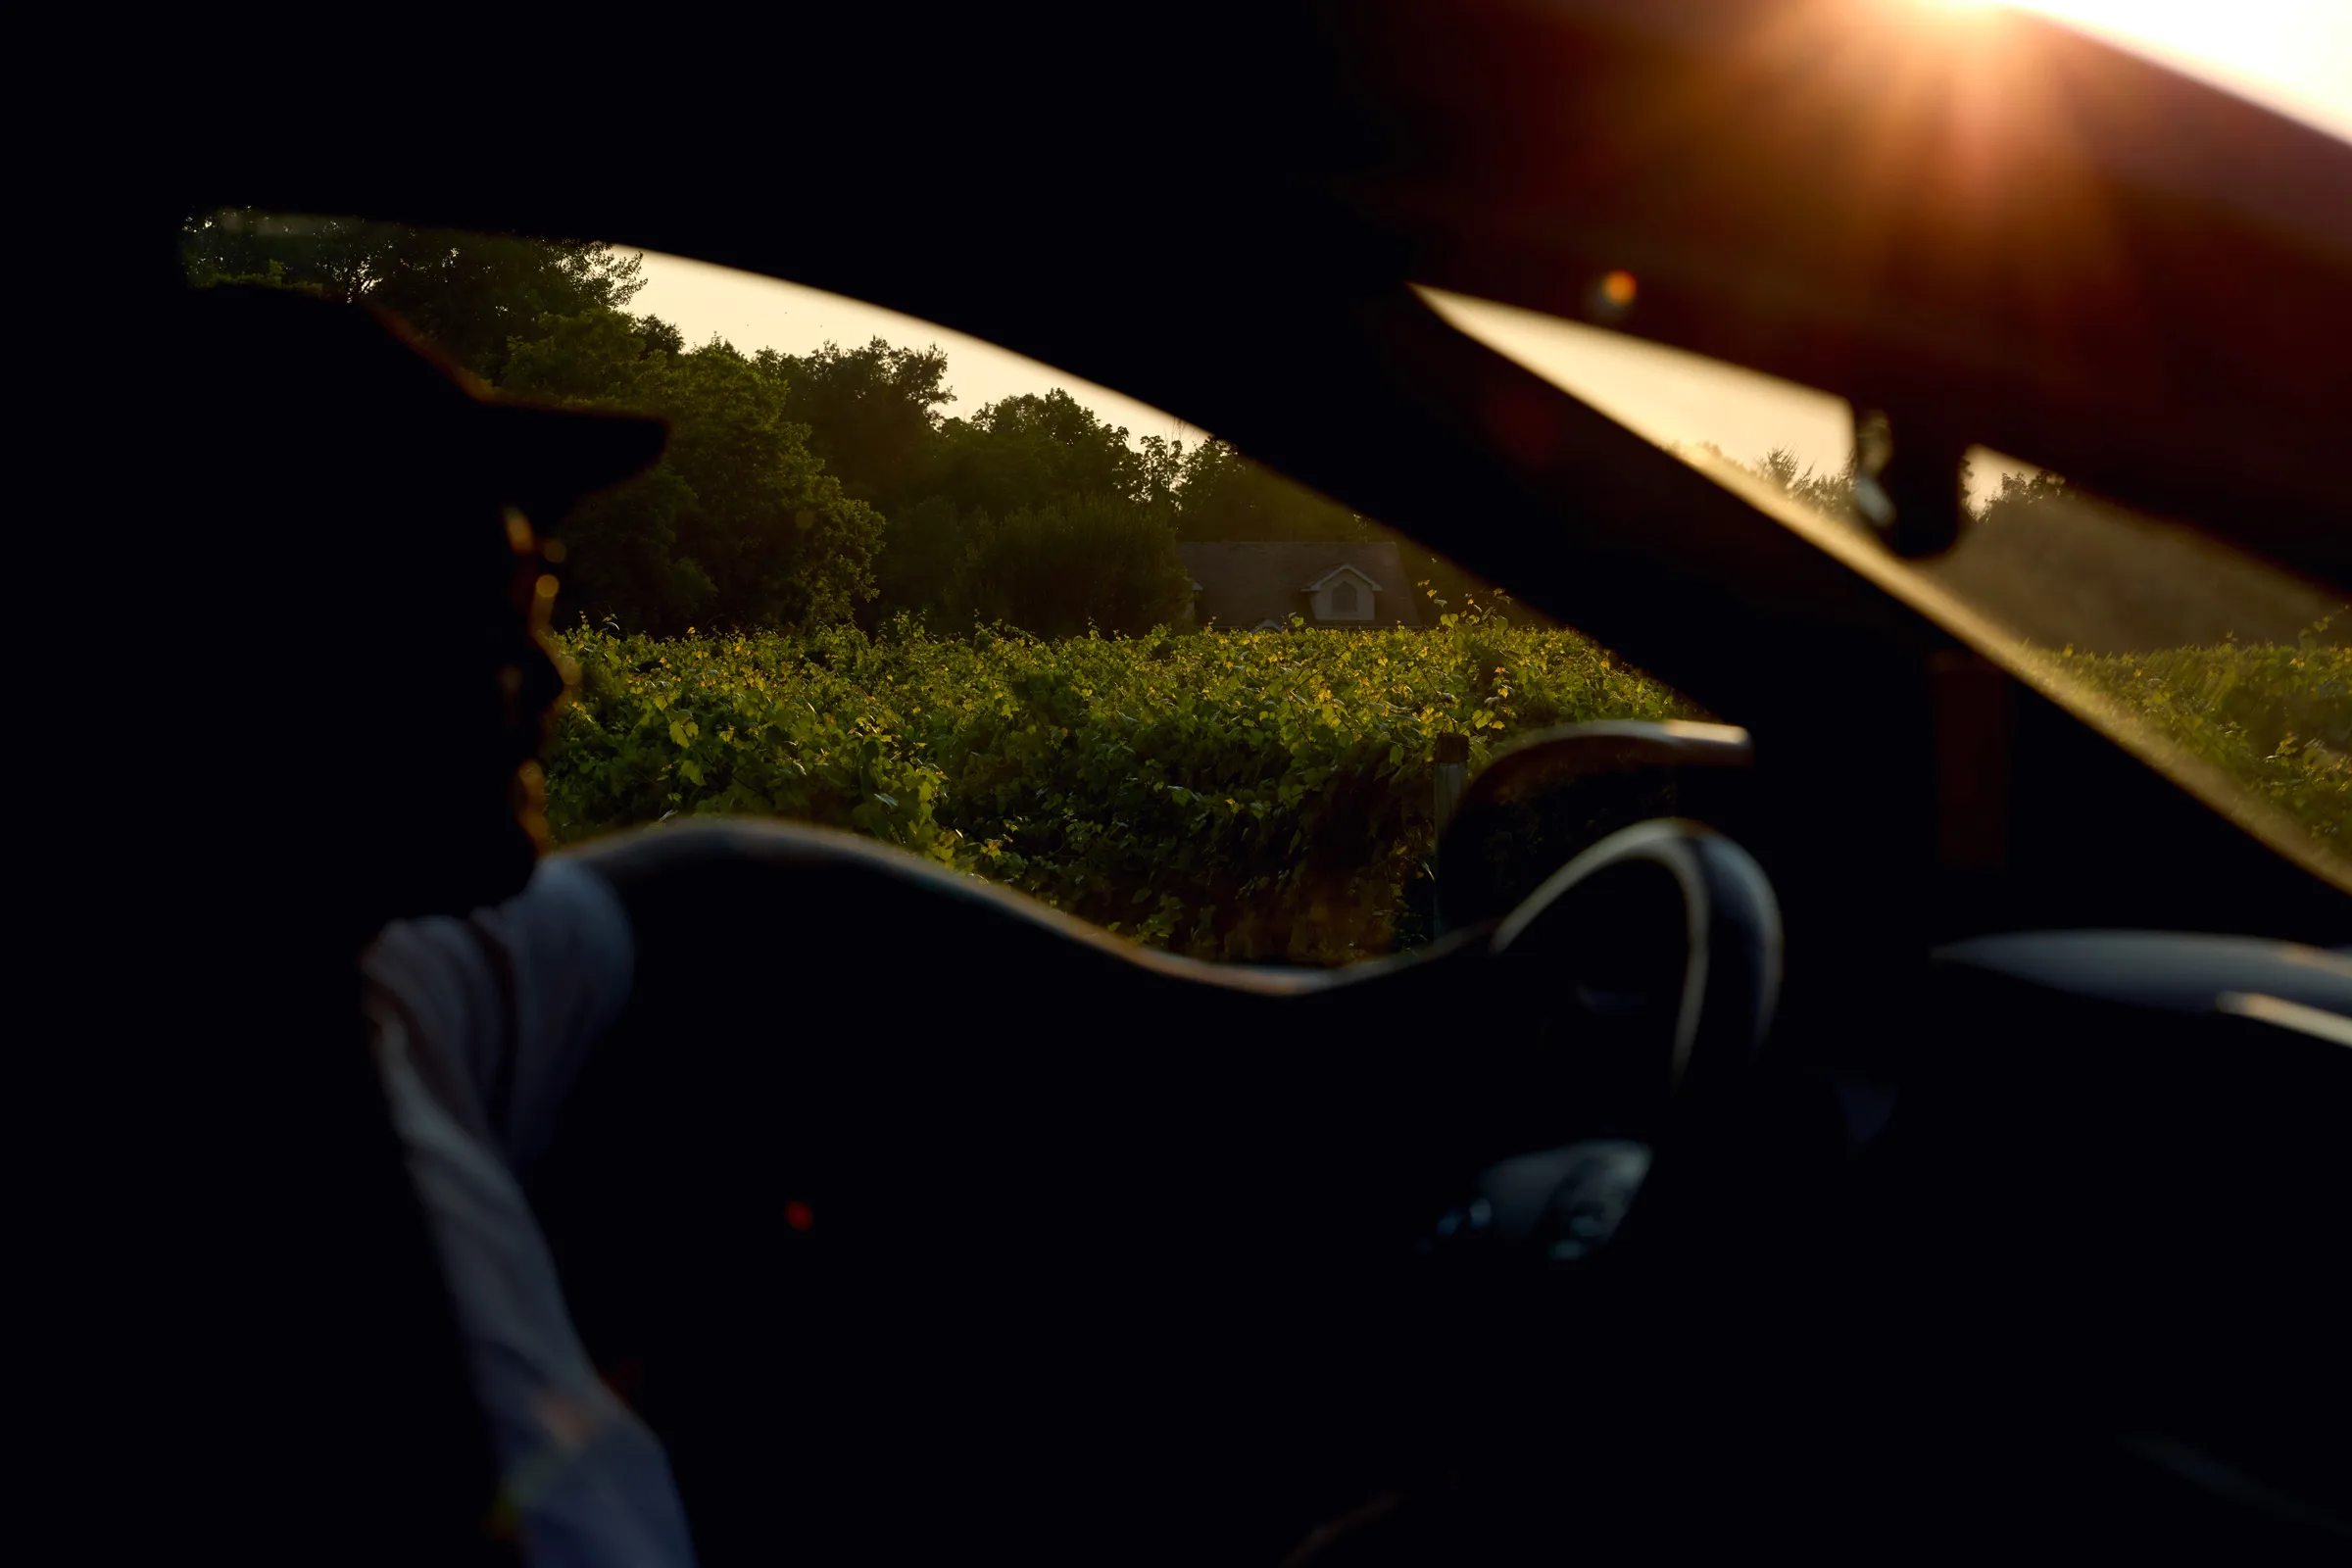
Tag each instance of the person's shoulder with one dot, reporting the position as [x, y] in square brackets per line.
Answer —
[564, 897]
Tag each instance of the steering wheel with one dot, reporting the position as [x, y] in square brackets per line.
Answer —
[1546, 798]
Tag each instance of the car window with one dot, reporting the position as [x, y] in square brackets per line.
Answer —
[2231, 673]
[894, 580]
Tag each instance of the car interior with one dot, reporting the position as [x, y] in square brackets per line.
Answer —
[1904, 1117]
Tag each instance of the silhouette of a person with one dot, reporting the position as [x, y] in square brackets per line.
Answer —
[318, 437]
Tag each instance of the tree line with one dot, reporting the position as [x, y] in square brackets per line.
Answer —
[797, 490]
[844, 485]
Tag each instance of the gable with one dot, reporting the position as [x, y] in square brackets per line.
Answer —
[1344, 569]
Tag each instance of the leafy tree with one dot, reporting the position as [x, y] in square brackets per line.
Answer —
[598, 356]
[873, 415]
[622, 567]
[739, 525]
[2022, 492]
[785, 546]
[1220, 494]
[876, 417]
[471, 295]
[771, 506]
[1033, 451]
[1832, 494]
[660, 334]
[1093, 561]
[923, 546]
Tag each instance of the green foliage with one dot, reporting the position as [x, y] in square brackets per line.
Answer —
[2022, 492]
[470, 295]
[800, 490]
[1219, 494]
[923, 549]
[1044, 466]
[2275, 719]
[873, 417]
[1829, 493]
[739, 525]
[770, 526]
[1055, 570]
[1254, 796]
[1033, 451]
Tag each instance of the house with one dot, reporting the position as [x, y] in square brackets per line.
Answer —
[1260, 587]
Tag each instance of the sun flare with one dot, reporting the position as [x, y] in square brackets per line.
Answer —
[2293, 55]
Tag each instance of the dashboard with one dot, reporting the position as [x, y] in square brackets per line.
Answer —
[1562, 1217]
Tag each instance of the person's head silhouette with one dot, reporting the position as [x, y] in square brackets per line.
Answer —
[316, 438]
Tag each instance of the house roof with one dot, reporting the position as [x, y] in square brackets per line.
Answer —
[1242, 584]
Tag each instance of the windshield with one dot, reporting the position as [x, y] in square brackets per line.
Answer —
[897, 581]
[2233, 676]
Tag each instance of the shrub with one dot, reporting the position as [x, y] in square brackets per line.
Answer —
[1252, 796]
[2274, 719]
[1239, 795]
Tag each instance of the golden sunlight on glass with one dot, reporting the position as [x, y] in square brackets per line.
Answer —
[2291, 56]
[2220, 669]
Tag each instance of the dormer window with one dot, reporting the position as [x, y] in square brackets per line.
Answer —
[1342, 594]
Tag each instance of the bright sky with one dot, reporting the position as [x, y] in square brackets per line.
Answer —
[2294, 56]
[754, 311]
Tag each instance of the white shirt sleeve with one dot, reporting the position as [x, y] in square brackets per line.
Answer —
[480, 1027]
[511, 998]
